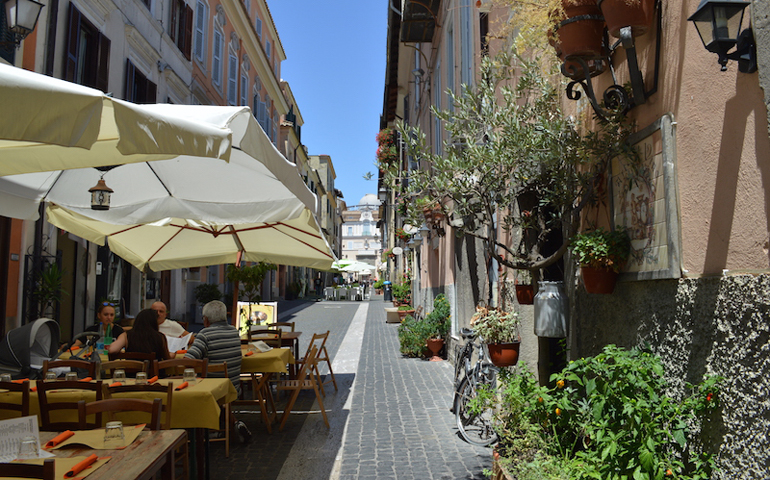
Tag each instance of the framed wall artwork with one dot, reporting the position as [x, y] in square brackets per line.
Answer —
[260, 313]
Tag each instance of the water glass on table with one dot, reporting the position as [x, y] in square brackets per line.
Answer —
[119, 375]
[189, 376]
[28, 448]
[51, 376]
[141, 378]
[71, 377]
[6, 377]
[113, 435]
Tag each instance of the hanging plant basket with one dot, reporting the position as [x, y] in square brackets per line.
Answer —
[504, 354]
[580, 34]
[637, 14]
[599, 280]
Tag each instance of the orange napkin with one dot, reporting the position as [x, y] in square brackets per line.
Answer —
[182, 386]
[74, 348]
[153, 379]
[21, 380]
[249, 353]
[33, 389]
[59, 438]
[116, 384]
[81, 466]
[182, 352]
[87, 379]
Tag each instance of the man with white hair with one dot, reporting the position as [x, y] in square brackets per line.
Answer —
[220, 342]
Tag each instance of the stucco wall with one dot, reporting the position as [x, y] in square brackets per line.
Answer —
[760, 21]
[715, 325]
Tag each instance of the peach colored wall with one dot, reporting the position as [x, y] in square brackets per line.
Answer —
[722, 145]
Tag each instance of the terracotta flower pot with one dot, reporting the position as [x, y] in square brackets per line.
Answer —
[598, 280]
[504, 354]
[580, 33]
[435, 345]
[637, 14]
[525, 294]
[403, 313]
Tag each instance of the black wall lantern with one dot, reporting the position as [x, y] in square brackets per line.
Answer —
[718, 23]
[22, 16]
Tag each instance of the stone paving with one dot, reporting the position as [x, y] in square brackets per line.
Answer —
[390, 418]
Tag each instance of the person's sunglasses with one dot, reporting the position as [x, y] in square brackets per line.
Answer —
[108, 304]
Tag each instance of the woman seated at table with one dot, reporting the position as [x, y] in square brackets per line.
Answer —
[144, 337]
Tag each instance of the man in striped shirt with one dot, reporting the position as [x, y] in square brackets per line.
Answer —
[220, 342]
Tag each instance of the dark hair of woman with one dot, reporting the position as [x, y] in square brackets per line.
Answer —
[144, 335]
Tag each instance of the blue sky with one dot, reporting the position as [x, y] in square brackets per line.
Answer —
[335, 65]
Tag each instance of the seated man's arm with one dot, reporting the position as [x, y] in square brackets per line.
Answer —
[198, 349]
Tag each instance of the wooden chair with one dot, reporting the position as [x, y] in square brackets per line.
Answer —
[23, 407]
[72, 364]
[46, 471]
[115, 405]
[149, 357]
[261, 395]
[49, 405]
[273, 336]
[131, 367]
[281, 326]
[176, 366]
[305, 381]
[219, 370]
[163, 391]
[319, 340]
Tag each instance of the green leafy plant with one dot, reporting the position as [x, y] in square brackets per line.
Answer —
[207, 292]
[605, 417]
[438, 320]
[401, 233]
[413, 334]
[402, 292]
[250, 278]
[48, 289]
[385, 254]
[495, 325]
[378, 285]
[601, 248]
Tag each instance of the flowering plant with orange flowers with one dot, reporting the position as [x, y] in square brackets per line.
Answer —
[612, 416]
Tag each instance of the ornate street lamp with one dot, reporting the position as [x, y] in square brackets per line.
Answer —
[718, 23]
[100, 195]
[21, 16]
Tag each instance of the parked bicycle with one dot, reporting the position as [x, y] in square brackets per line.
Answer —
[475, 427]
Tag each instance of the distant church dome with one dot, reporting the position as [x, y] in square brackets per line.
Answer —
[369, 200]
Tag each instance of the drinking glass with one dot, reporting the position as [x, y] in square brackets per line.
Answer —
[189, 375]
[28, 448]
[119, 375]
[113, 435]
[71, 377]
[51, 376]
[141, 378]
[5, 377]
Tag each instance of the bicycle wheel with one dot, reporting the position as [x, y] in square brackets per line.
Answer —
[475, 428]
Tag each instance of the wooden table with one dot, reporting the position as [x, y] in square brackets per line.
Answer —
[149, 454]
[288, 339]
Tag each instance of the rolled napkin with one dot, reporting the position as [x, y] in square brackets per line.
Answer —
[116, 384]
[21, 380]
[79, 467]
[153, 379]
[87, 379]
[182, 352]
[74, 348]
[249, 353]
[59, 438]
[33, 389]
[182, 386]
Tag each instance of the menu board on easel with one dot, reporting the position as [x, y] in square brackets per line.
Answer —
[260, 313]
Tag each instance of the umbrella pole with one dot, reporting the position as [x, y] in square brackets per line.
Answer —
[238, 258]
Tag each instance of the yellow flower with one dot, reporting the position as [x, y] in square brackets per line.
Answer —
[560, 384]
[558, 412]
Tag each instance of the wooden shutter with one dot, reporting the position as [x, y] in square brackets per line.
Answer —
[188, 31]
[174, 21]
[103, 68]
[71, 51]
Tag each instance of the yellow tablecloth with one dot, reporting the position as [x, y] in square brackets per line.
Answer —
[272, 361]
[197, 406]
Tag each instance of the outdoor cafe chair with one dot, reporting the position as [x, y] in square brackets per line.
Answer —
[46, 471]
[131, 367]
[272, 336]
[149, 357]
[217, 369]
[116, 405]
[319, 340]
[90, 367]
[23, 406]
[329, 293]
[281, 326]
[176, 366]
[48, 404]
[163, 391]
[305, 381]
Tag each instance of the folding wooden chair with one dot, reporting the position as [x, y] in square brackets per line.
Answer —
[305, 380]
[116, 405]
[319, 340]
[23, 407]
[149, 357]
[261, 395]
[90, 367]
[160, 390]
[176, 366]
[46, 471]
[131, 367]
[48, 404]
[219, 370]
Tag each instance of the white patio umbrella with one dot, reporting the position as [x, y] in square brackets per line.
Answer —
[175, 243]
[51, 124]
[357, 267]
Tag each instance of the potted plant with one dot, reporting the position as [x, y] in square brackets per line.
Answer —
[438, 323]
[637, 14]
[525, 291]
[579, 32]
[601, 254]
[500, 331]
[387, 253]
[378, 287]
[401, 233]
[405, 309]
[402, 293]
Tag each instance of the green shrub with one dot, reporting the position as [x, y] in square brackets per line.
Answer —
[607, 417]
[378, 284]
[600, 248]
[412, 337]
